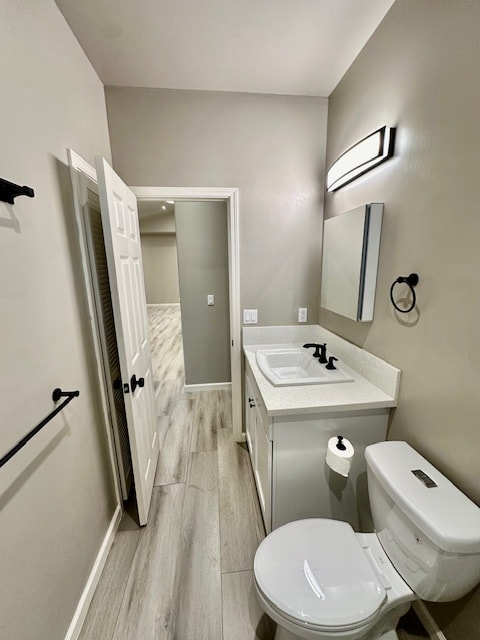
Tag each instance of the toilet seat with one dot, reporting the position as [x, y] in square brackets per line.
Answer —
[334, 591]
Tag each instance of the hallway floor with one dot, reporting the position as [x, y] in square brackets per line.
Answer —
[187, 575]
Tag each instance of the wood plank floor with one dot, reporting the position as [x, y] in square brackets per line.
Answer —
[187, 575]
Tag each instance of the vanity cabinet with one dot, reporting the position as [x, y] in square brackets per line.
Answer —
[288, 427]
[259, 445]
[288, 459]
[303, 486]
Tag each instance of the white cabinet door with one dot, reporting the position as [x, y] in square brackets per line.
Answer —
[263, 470]
[250, 417]
[260, 447]
[122, 245]
[304, 486]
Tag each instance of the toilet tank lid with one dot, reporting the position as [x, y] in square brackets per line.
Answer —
[442, 512]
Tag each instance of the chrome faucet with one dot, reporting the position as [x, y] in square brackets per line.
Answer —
[320, 351]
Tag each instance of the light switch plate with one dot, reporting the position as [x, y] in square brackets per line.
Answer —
[210, 299]
[250, 316]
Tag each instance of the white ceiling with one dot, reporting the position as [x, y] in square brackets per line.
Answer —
[147, 208]
[299, 47]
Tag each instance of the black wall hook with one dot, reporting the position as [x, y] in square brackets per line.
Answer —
[9, 191]
[411, 281]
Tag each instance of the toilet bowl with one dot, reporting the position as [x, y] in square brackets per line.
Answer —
[320, 580]
[328, 582]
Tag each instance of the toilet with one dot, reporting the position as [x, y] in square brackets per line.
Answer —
[319, 580]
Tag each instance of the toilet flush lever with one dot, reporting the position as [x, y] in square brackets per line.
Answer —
[426, 479]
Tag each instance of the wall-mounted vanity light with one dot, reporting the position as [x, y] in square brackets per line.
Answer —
[361, 157]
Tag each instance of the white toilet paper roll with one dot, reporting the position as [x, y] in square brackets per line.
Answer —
[339, 459]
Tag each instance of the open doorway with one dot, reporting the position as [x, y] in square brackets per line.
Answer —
[185, 260]
[230, 197]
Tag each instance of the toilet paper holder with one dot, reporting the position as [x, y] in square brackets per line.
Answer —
[339, 455]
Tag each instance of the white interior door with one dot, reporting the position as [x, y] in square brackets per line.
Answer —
[122, 245]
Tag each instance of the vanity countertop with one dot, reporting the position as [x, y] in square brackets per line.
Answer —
[375, 382]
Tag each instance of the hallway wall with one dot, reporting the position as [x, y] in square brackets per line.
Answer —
[420, 72]
[159, 257]
[202, 237]
[56, 495]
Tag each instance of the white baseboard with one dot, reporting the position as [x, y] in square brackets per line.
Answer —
[428, 622]
[87, 595]
[163, 304]
[211, 386]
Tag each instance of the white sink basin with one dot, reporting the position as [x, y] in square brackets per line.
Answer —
[295, 365]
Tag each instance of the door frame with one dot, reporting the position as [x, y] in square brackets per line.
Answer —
[230, 196]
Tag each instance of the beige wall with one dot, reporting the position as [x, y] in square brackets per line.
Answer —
[419, 72]
[56, 495]
[271, 147]
[160, 268]
[160, 260]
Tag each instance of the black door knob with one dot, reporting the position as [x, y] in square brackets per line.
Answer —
[134, 383]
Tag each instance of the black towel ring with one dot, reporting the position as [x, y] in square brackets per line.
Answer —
[411, 281]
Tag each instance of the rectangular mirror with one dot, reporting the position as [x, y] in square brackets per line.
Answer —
[351, 244]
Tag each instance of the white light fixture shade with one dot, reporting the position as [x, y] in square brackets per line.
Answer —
[363, 156]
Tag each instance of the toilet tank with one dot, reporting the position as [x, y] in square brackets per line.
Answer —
[429, 529]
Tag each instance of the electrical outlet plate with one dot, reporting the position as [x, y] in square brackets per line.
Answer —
[210, 299]
[302, 314]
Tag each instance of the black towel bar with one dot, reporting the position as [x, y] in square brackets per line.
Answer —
[56, 395]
